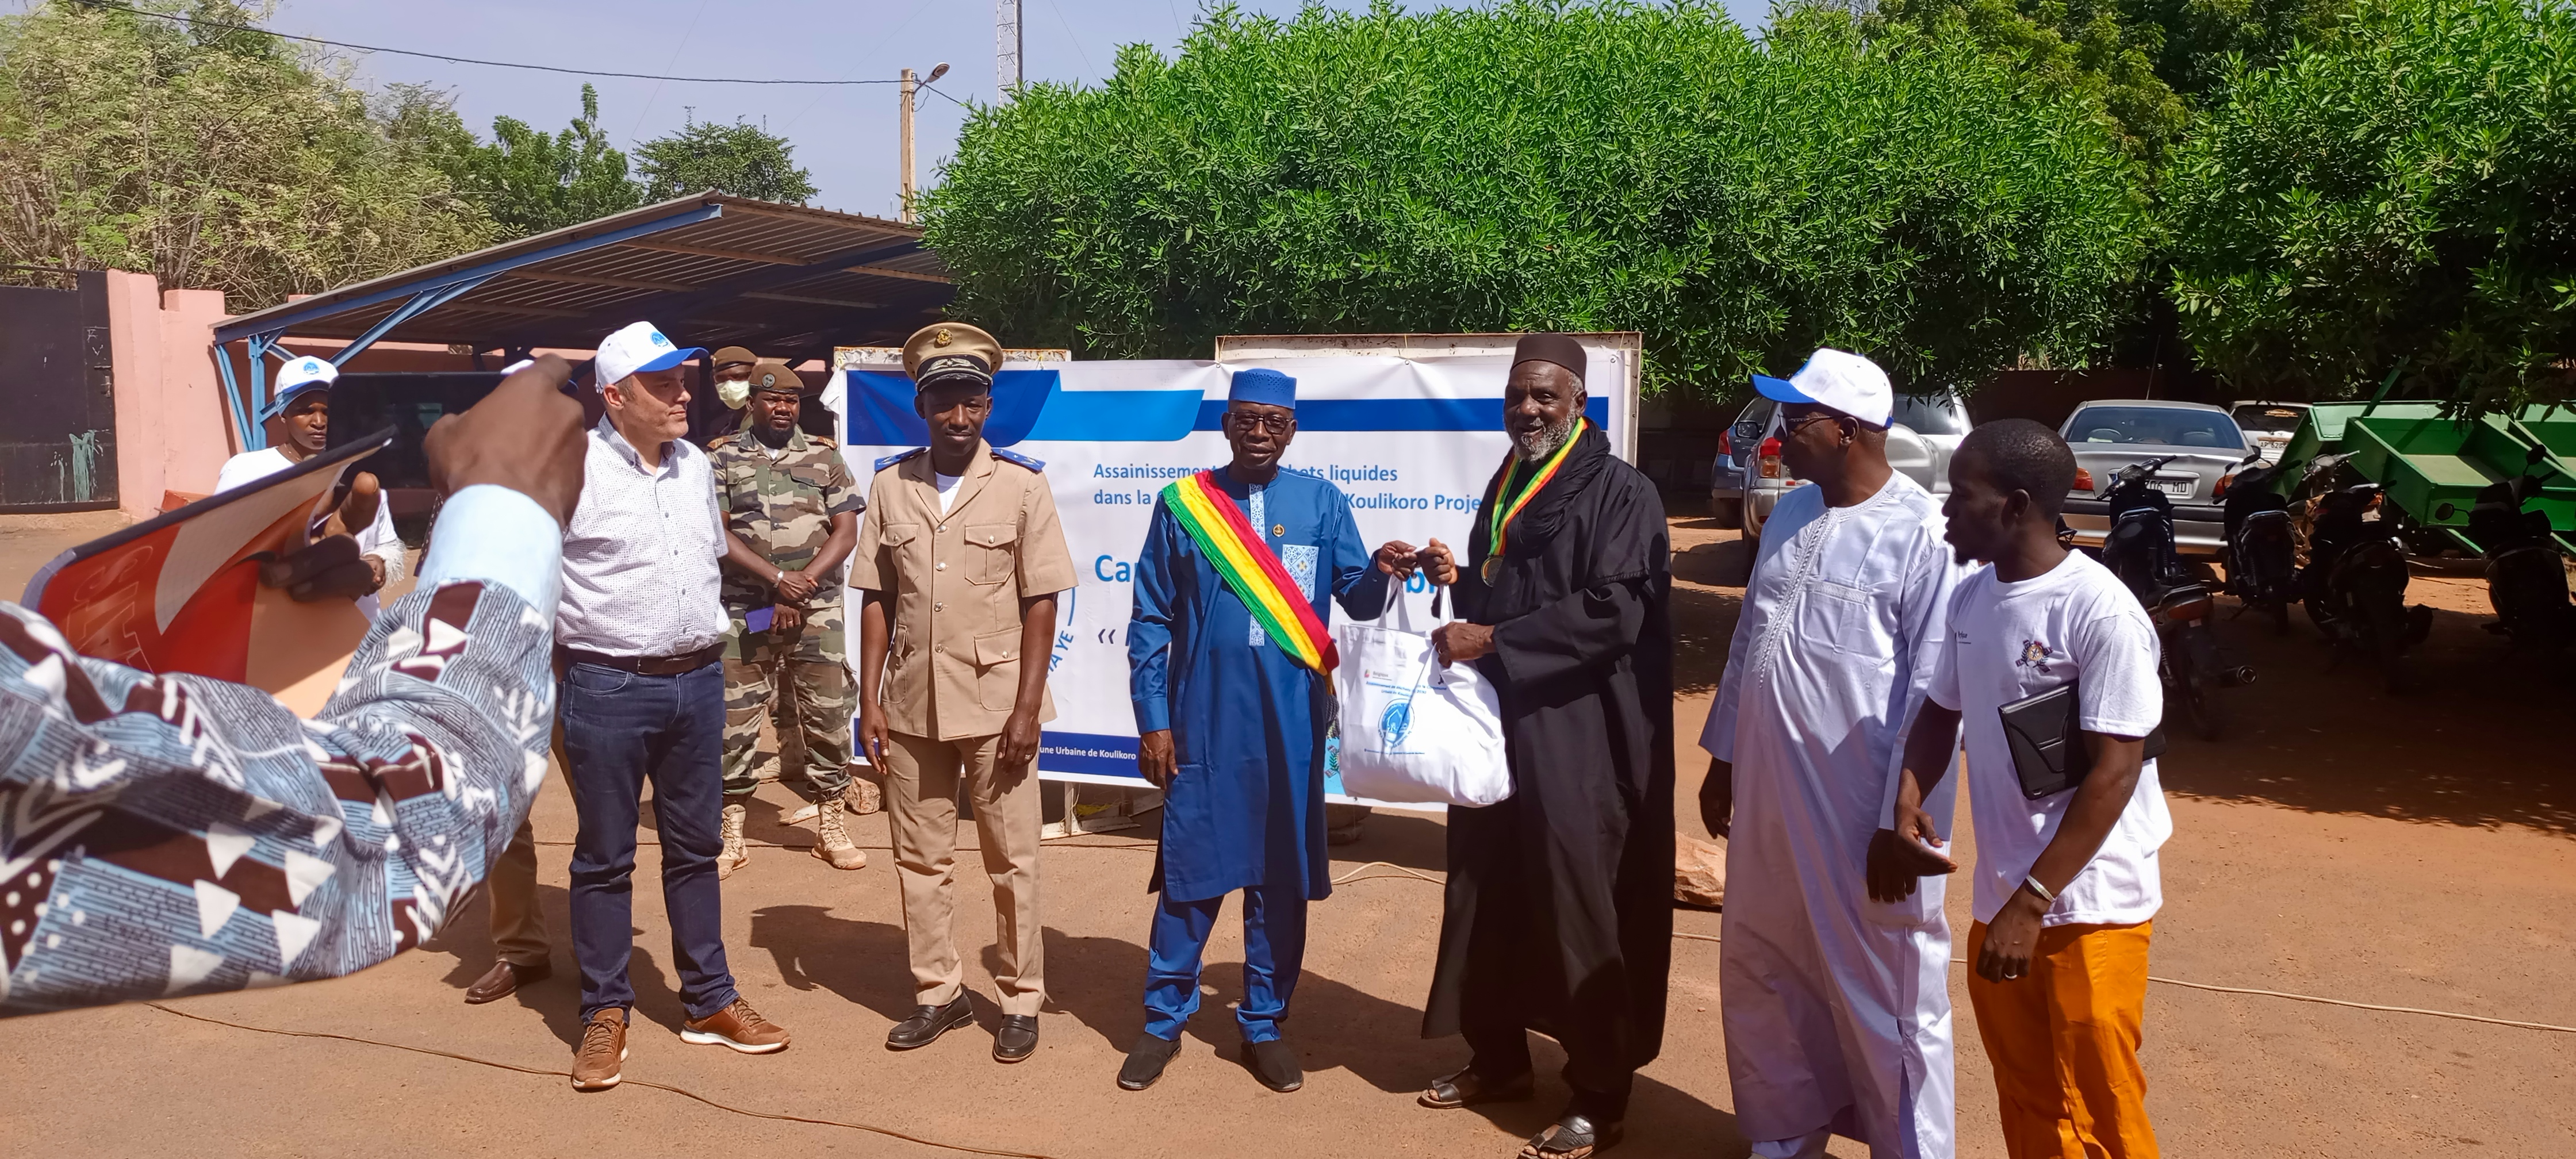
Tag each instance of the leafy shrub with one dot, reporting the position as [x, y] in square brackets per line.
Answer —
[1551, 166]
[2401, 196]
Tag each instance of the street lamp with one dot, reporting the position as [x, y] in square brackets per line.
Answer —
[910, 96]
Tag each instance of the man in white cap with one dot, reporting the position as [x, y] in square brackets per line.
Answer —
[639, 638]
[1837, 1007]
[297, 421]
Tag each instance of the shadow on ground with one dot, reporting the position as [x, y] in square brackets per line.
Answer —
[557, 999]
[2325, 736]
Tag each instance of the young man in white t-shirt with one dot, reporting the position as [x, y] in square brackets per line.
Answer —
[2067, 884]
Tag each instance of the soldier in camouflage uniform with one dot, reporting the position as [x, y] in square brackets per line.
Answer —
[791, 518]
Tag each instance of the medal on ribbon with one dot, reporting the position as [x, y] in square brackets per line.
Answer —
[1507, 504]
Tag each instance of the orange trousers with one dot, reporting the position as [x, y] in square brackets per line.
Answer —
[2063, 1041]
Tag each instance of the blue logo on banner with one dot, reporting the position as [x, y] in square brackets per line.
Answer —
[1031, 405]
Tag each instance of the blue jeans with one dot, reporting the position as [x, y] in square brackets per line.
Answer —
[620, 728]
[1274, 950]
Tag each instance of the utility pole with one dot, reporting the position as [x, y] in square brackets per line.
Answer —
[909, 91]
[1006, 47]
[903, 127]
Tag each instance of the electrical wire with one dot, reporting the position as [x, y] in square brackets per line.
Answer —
[683, 1092]
[220, 26]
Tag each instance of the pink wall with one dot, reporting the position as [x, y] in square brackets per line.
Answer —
[172, 433]
[173, 425]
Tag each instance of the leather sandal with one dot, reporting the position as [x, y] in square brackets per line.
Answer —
[1467, 1088]
[1573, 1137]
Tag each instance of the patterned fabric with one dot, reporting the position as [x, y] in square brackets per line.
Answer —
[781, 504]
[826, 698]
[1298, 558]
[639, 558]
[174, 834]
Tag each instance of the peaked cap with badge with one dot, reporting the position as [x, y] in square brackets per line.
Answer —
[945, 352]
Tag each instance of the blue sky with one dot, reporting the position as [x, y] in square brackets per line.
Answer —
[845, 136]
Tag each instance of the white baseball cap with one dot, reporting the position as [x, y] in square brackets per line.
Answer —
[637, 347]
[303, 374]
[1838, 379]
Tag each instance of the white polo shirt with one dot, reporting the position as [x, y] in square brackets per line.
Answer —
[2010, 641]
[640, 558]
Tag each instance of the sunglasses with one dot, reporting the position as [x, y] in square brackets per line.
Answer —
[1791, 427]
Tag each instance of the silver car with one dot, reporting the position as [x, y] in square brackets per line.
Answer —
[2108, 434]
[2270, 425]
[1735, 456]
[1921, 435]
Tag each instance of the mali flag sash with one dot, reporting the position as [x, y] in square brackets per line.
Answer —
[1251, 569]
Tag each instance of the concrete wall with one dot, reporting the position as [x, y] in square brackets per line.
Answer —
[172, 433]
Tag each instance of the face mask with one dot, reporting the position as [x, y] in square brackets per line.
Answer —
[733, 392]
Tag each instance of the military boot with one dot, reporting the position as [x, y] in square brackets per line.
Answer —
[735, 853]
[832, 842]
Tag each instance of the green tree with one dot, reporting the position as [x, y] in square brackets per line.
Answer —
[531, 182]
[741, 158]
[2145, 63]
[1542, 166]
[206, 157]
[2401, 195]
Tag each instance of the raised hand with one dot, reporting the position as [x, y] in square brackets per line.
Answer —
[525, 436]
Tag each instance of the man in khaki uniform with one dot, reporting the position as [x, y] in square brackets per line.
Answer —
[960, 542]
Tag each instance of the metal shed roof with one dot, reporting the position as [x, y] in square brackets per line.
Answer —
[709, 269]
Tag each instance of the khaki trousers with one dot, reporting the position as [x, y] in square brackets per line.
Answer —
[518, 927]
[921, 804]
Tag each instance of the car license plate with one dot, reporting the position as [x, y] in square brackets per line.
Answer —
[2177, 488]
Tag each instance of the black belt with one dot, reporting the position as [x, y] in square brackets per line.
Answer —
[685, 662]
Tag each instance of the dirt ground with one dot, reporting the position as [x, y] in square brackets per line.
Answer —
[2409, 851]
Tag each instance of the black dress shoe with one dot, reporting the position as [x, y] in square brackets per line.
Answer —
[1274, 1064]
[1017, 1039]
[929, 1022]
[1145, 1061]
[504, 979]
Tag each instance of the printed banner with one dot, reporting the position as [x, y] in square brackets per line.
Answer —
[1411, 441]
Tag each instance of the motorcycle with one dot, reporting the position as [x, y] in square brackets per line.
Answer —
[2354, 586]
[2139, 549]
[2526, 580]
[2262, 547]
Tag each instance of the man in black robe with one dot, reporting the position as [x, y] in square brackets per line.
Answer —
[1558, 917]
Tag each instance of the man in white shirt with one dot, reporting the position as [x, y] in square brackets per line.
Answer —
[2066, 882]
[639, 638]
[298, 424]
[1837, 1007]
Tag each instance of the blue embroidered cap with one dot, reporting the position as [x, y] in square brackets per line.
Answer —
[1263, 385]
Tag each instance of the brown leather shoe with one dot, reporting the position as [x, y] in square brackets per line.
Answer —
[738, 1026]
[503, 980]
[599, 1063]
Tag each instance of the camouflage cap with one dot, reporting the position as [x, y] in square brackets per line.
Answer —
[951, 350]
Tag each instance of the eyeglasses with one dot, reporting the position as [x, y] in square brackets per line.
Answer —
[1790, 428]
[1248, 421]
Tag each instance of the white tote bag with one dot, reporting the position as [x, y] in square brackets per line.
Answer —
[1412, 731]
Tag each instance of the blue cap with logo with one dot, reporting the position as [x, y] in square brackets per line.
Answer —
[297, 378]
